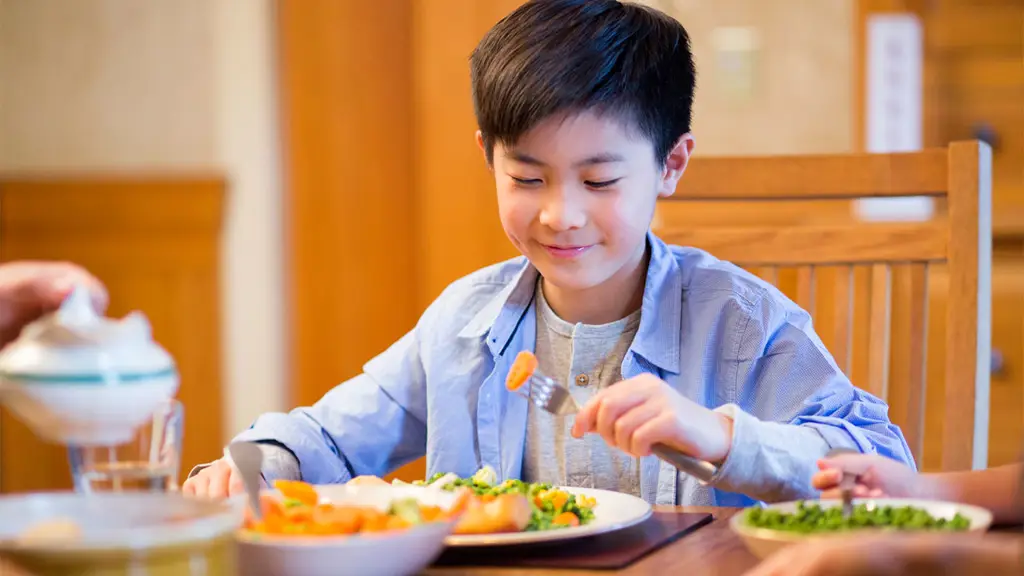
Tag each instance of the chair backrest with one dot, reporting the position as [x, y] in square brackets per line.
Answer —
[874, 276]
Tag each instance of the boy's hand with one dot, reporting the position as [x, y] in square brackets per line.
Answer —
[218, 480]
[877, 476]
[639, 412]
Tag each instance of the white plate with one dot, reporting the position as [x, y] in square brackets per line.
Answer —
[613, 511]
[765, 541]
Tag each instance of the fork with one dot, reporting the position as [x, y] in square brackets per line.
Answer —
[846, 482]
[552, 397]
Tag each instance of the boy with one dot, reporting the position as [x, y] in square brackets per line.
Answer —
[584, 112]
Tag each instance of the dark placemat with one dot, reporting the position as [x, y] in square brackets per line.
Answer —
[612, 551]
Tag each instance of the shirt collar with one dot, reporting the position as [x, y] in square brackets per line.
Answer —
[501, 316]
[657, 338]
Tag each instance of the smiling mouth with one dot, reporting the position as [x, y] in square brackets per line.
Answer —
[566, 251]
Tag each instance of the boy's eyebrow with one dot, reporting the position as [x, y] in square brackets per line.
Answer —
[605, 158]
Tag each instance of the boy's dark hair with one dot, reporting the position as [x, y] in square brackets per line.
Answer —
[565, 56]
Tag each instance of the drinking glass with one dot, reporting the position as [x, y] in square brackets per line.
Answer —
[149, 462]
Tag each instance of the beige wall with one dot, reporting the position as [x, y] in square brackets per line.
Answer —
[169, 85]
[801, 97]
[107, 84]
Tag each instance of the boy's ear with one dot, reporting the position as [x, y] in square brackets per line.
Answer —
[480, 145]
[675, 165]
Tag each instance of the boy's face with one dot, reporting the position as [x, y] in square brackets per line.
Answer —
[576, 196]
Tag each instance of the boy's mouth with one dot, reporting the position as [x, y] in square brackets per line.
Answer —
[557, 251]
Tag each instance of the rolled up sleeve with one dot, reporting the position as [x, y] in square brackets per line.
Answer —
[792, 404]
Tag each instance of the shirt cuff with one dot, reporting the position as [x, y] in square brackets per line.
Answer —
[769, 461]
[278, 464]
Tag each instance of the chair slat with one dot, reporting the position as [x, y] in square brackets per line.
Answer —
[880, 331]
[770, 274]
[907, 387]
[843, 301]
[805, 288]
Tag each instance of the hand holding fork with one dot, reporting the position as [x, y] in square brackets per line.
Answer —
[640, 416]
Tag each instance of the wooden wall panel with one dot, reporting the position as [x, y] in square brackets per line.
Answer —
[346, 112]
[388, 197]
[458, 230]
[154, 242]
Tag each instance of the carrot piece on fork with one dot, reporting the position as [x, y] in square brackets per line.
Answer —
[522, 369]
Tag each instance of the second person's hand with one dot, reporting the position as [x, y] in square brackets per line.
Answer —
[877, 476]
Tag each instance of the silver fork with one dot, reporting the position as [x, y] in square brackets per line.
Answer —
[552, 397]
[846, 482]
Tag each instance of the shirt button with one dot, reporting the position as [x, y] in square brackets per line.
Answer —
[582, 380]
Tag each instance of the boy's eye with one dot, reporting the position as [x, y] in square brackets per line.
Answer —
[602, 184]
[525, 181]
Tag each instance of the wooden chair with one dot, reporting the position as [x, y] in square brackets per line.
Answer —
[889, 261]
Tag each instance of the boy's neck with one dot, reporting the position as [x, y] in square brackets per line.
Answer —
[616, 298]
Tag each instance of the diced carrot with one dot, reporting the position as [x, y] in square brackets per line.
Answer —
[522, 369]
[558, 498]
[342, 519]
[296, 490]
[431, 513]
[566, 519]
[396, 523]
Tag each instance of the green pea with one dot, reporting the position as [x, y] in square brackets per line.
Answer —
[812, 518]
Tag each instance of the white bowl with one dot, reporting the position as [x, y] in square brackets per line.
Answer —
[397, 553]
[763, 542]
[117, 533]
[76, 409]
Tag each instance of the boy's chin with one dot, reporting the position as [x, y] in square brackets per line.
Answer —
[569, 280]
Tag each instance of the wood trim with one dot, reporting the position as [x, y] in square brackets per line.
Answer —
[844, 244]
[119, 202]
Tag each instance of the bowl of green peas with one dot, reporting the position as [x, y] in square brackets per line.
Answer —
[767, 529]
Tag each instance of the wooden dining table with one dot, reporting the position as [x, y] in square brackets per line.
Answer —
[712, 550]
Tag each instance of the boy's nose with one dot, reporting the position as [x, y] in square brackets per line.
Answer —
[562, 213]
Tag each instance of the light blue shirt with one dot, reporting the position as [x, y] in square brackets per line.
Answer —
[715, 333]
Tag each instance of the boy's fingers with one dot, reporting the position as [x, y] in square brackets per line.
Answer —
[826, 479]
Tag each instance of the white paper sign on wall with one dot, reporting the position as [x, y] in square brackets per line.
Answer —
[894, 69]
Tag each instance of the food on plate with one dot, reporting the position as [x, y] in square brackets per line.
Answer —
[56, 531]
[368, 481]
[812, 518]
[522, 368]
[549, 507]
[298, 512]
[503, 513]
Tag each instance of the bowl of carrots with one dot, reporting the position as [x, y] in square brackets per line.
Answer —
[364, 530]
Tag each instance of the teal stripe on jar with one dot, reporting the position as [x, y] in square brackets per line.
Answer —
[90, 379]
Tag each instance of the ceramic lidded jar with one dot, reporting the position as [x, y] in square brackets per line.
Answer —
[75, 377]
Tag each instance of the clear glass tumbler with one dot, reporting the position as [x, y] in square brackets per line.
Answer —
[149, 462]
